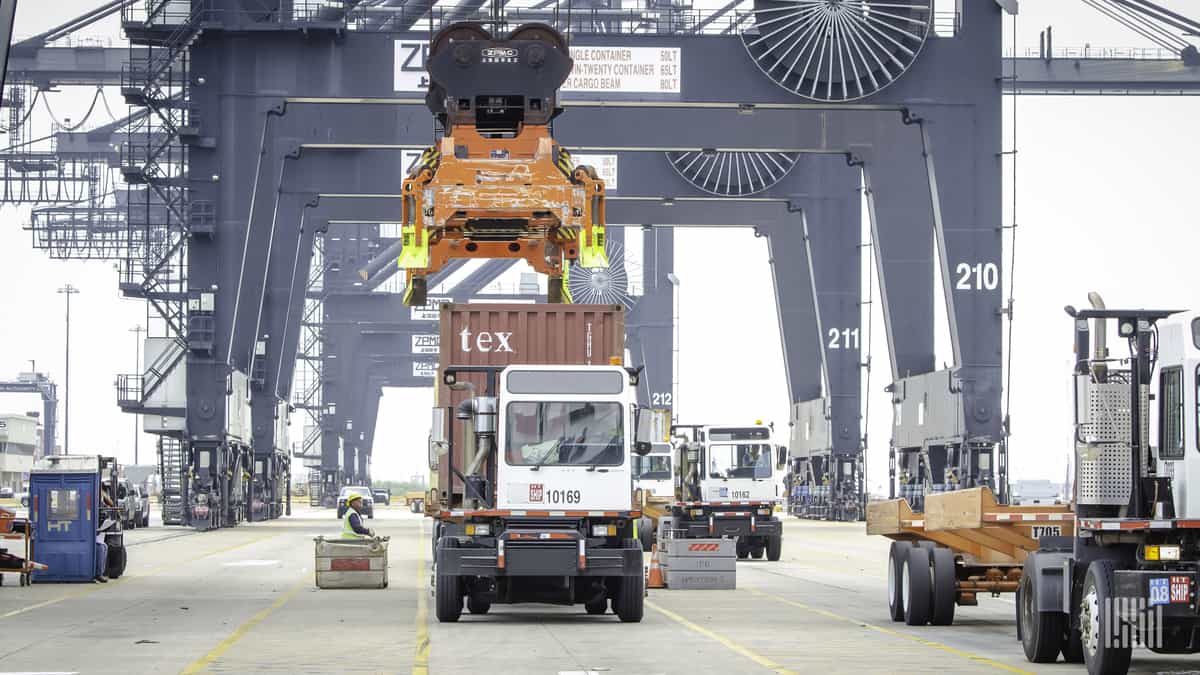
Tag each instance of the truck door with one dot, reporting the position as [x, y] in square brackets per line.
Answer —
[64, 509]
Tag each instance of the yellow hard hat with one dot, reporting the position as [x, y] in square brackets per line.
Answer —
[352, 496]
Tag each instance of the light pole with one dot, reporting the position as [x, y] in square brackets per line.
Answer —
[68, 291]
[137, 365]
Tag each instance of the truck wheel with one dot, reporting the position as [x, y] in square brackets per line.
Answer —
[630, 596]
[116, 562]
[478, 605]
[1104, 652]
[1041, 632]
[1072, 646]
[944, 587]
[774, 548]
[449, 598]
[646, 535]
[917, 592]
[895, 574]
[743, 550]
[597, 607]
[757, 552]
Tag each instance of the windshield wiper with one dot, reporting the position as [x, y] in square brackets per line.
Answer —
[546, 457]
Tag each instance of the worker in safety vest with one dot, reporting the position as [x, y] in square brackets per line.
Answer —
[352, 527]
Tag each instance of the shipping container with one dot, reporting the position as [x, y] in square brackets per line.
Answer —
[506, 334]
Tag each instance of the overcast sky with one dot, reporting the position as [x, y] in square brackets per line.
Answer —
[1105, 202]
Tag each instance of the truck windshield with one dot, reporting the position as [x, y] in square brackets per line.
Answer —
[561, 433]
[739, 460]
[652, 467]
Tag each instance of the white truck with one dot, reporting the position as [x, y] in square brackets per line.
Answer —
[1130, 574]
[727, 486]
[547, 514]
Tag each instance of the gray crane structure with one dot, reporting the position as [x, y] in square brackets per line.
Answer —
[266, 142]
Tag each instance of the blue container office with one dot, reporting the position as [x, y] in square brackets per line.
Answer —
[65, 511]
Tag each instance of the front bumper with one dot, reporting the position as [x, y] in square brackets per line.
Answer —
[481, 556]
[719, 525]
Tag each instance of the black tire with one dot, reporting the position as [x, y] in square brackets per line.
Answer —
[774, 548]
[449, 590]
[340, 512]
[1101, 655]
[371, 516]
[598, 607]
[1072, 646]
[647, 538]
[757, 552]
[477, 605]
[1041, 632]
[897, 554]
[918, 595]
[743, 551]
[449, 598]
[629, 603]
[116, 562]
[945, 587]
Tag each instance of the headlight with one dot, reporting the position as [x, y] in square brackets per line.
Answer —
[480, 530]
[1161, 553]
[604, 530]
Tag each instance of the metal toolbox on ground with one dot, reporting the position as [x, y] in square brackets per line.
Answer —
[700, 564]
[352, 563]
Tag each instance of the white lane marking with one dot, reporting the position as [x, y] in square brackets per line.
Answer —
[246, 563]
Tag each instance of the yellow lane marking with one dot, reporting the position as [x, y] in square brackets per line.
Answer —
[203, 662]
[726, 642]
[982, 660]
[92, 589]
[421, 658]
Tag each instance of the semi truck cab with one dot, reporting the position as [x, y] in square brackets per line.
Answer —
[727, 486]
[548, 511]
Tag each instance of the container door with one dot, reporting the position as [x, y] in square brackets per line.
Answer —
[64, 532]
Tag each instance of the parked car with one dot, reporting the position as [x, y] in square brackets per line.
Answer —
[6, 492]
[128, 504]
[368, 509]
[381, 496]
[142, 517]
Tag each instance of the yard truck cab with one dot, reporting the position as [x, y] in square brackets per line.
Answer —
[547, 512]
[726, 486]
[1128, 577]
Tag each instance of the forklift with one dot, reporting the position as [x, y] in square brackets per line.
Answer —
[72, 503]
[1128, 576]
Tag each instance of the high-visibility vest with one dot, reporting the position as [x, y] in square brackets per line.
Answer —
[348, 529]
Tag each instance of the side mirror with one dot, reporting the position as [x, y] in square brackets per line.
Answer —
[781, 459]
[693, 454]
[644, 433]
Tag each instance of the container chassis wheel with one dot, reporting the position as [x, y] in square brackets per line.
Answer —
[895, 574]
[945, 587]
[918, 595]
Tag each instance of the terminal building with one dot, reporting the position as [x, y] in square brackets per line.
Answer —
[20, 440]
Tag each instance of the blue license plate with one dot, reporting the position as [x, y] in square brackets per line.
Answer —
[1160, 591]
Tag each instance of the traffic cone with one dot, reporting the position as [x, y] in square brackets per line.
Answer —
[654, 578]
